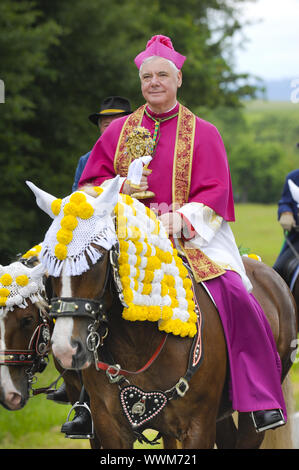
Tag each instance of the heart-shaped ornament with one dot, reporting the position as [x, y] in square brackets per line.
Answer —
[139, 406]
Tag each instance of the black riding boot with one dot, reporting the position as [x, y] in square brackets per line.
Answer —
[81, 427]
[59, 395]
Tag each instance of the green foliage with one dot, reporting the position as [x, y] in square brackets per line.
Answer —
[260, 140]
[25, 38]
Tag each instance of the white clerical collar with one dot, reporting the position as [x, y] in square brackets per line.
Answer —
[165, 112]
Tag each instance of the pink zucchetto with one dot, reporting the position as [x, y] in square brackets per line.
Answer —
[160, 46]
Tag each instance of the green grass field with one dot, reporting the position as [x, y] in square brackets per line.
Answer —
[37, 426]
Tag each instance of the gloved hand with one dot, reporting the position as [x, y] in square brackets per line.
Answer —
[173, 223]
[287, 221]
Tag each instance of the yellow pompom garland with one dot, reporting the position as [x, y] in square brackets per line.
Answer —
[6, 279]
[76, 207]
[34, 251]
[56, 206]
[22, 280]
[156, 286]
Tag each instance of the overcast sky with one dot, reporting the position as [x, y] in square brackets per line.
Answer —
[272, 50]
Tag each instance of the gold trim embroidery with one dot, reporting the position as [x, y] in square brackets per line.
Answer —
[121, 158]
[183, 156]
[202, 267]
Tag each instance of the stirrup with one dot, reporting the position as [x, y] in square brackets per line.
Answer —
[80, 436]
[274, 425]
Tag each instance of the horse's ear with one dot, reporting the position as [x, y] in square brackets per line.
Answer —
[105, 203]
[43, 199]
[37, 272]
[294, 190]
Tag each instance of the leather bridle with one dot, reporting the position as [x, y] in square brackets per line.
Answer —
[95, 309]
[36, 355]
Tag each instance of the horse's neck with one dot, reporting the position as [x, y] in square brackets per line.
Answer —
[130, 342]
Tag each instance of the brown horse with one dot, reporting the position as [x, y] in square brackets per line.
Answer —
[192, 418]
[25, 345]
[91, 334]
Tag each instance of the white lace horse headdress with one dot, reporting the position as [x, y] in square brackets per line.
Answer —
[156, 286]
[18, 283]
[80, 222]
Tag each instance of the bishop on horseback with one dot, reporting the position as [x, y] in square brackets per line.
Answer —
[189, 176]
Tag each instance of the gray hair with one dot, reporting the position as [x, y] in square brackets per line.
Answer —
[148, 59]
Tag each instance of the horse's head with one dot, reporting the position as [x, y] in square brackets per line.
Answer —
[24, 332]
[153, 283]
[75, 254]
[80, 311]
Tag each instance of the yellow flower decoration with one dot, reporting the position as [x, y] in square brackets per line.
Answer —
[139, 248]
[187, 283]
[22, 280]
[56, 206]
[4, 292]
[60, 251]
[123, 258]
[85, 210]
[153, 263]
[77, 198]
[148, 276]
[6, 279]
[34, 251]
[127, 199]
[166, 313]
[123, 245]
[128, 295]
[28, 254]
[70, 209]
[64, 236]
[147, 288]
[135, 232]
[254, 256]
[3, 301]
[98, 189]
[69, 222]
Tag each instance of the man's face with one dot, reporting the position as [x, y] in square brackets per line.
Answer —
[159, 84]
[104, 121]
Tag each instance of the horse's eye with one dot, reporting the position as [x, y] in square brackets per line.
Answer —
[26, 321]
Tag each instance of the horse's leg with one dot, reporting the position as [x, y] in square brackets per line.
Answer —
[95, 443]
[226, 433]
[247, 437]
[73, 385]
[112, 436]
[201, 433]
[169, 442]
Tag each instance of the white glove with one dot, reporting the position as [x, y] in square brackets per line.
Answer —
[136, 168]
[287, 221]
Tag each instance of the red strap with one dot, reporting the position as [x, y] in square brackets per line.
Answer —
[190, 229]
[116, 371]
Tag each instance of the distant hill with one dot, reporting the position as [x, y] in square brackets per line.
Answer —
[277, 90]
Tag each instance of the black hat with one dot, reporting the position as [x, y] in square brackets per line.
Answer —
[111, 106]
